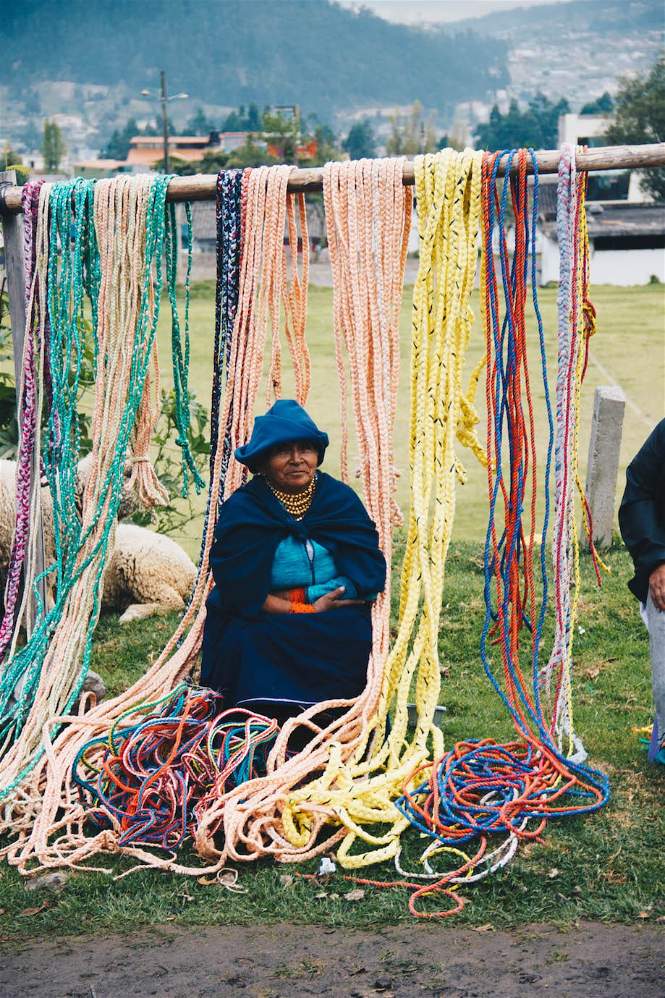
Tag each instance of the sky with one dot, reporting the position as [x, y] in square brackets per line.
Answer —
[419, 11]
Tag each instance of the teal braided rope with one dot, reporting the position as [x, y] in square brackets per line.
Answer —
[180, 347]
[74, 273]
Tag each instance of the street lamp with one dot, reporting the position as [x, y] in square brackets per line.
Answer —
[163, 99]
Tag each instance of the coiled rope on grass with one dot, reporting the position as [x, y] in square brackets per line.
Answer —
[163, 761]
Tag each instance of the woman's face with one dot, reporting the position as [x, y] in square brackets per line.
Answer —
[290, 467]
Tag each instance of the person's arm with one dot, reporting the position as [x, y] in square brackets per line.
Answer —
[275, 604]
[640, 513]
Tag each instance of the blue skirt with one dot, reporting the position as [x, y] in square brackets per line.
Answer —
[287, 658]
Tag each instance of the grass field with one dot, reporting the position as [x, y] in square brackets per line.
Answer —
[608, 866]
[628, 349]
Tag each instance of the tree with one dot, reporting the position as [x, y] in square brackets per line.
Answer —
[117, 146]
[360, 142]
[253, 120]
[53, 146]
[12, 161]
[601, 105]
[153, 129]
[326, 145]
[198, 124]
[639, 117]
[537, 126]
[282, 132]
[243, 121]
[411, 135]
[250, 154]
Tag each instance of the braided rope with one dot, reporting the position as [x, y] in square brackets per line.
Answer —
[480, 788]
[47, 816]
[115, 258]
[28, 410]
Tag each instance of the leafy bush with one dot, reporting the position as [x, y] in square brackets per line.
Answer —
[167, 462]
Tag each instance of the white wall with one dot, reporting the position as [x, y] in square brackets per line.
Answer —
[549, 260]
[573, 127]
[619, 267]
[624, 267]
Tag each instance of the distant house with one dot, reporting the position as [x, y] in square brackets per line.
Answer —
[611, 185]
[146, 150]
[627, 241]
[228, 141]
[100, 167]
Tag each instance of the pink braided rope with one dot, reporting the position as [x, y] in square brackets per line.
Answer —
[26, 414]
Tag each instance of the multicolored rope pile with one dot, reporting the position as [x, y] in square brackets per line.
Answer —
[163, 761]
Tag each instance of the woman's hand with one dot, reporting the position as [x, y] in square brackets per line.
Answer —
[331, 600]
[657, 587]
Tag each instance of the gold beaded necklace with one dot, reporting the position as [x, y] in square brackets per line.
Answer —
[296, 503]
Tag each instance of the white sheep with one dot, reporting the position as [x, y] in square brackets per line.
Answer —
[148, 573]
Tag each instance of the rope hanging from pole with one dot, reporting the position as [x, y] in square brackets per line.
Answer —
[480, 788]
[105, 245]
[360, 782]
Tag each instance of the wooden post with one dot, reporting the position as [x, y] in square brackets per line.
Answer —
[12, 231]
[609, 404]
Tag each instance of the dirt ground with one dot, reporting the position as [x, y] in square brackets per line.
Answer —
[589, 961]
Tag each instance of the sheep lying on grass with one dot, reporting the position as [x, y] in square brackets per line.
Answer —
[148, 573]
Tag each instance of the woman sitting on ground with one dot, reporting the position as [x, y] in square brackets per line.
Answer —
[296, 564]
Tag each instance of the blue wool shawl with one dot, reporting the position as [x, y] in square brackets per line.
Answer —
[252, 523]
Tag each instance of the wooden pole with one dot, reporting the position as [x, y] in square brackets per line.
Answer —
[201, 187]
[12, 231]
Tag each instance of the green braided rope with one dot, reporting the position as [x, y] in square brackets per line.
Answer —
[180, 349]
[74, 279]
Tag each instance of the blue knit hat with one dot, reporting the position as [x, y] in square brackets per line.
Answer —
[284, 423]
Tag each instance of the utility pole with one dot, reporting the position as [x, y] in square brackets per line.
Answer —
[164, 99]
[165, 118]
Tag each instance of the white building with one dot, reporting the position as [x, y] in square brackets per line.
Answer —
[627, 243]
[626, 237]
[590, 130]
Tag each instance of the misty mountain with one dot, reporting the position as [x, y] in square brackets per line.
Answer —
[231, 52]
[585, 16]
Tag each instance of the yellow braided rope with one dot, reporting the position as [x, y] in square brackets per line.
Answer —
[361, 793]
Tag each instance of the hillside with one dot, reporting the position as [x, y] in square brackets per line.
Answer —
[608, 17]
[229, 52]
[577, 49]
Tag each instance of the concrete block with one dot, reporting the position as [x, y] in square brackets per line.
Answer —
[604, 448]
